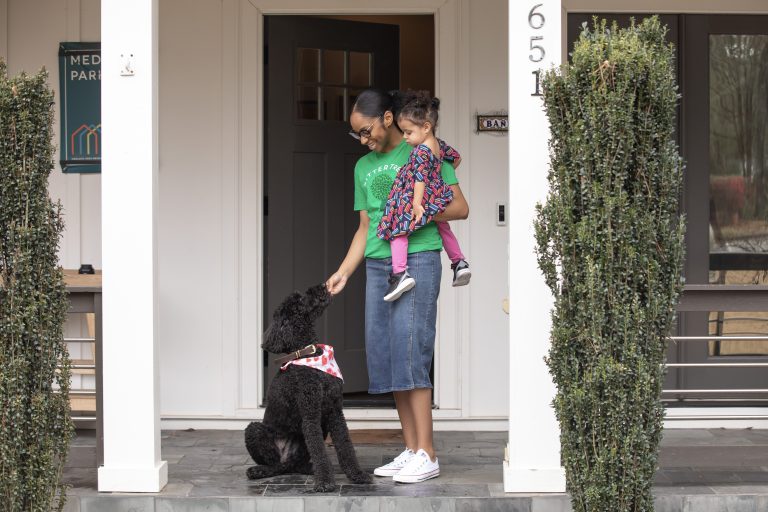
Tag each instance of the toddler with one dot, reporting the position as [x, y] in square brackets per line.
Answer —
[419, 193]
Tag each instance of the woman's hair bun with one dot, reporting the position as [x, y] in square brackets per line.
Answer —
[423, 99]
[419, 107]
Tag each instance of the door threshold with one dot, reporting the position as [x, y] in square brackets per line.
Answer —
[366, 400]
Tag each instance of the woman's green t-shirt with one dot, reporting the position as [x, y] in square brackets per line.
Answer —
[374, 175]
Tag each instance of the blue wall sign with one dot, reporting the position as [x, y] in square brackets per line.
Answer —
[80, 98]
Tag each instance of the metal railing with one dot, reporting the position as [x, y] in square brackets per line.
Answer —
[719, 298]
[716, 365]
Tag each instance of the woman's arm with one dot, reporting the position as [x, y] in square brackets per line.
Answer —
[354, 256]
[457, 209]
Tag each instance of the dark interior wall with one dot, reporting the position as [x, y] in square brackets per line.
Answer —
[417, 47]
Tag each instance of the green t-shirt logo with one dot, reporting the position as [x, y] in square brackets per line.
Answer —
[381, 185]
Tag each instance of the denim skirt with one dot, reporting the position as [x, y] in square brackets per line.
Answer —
[400, 335]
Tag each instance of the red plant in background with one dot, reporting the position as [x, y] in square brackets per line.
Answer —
[728, 196]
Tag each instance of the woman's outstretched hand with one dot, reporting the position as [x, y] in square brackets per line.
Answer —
[336, 283]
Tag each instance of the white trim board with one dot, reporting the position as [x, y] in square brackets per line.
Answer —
[250, 77]
[71, 253]
[347, 6]
[669, 6]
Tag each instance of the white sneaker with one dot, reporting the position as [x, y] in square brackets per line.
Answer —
[396, 465]
[418, 469]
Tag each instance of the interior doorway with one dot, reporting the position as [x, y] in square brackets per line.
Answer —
[314, 68]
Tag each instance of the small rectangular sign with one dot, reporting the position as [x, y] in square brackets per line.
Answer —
[492, 123]
[80, 97]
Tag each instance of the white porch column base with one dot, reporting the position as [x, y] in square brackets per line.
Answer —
[133, 479]
[533, 480]
[532, 463]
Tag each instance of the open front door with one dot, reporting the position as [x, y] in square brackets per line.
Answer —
[315, 68]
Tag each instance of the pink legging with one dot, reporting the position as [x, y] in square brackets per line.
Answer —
[399, 246]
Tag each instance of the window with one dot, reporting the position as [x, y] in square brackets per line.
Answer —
[328, 82]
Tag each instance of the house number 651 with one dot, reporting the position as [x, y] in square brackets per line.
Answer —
[536, 21]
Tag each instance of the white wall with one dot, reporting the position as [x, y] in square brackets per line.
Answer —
[489, 339]
[192, 208]
[208, 226]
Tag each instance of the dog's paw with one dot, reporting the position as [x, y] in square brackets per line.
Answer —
[324, 487]
[361, 478]
[257, 472]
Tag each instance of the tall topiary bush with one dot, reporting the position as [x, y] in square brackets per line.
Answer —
[35, 426]
[610, 245]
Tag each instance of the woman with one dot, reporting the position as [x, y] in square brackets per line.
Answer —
[399, 336]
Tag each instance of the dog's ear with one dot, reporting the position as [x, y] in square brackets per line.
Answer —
[271, 341]
[316, 299]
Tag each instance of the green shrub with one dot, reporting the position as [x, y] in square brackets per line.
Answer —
[610, 245]
[34, 384]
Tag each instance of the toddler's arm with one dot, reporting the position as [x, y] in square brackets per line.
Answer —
[449, 153]
[418, 196]
[420, 159]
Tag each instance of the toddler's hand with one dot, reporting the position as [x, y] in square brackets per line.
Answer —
[418, 213]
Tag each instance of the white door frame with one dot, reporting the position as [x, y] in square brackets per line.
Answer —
[451, 83]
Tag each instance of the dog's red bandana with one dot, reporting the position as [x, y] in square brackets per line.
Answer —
[324, 362]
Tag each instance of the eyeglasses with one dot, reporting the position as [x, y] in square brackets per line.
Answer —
[365, 132]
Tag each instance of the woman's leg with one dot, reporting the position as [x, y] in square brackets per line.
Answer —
[450, 243]
[413, 322]
[377, 325]
[407, 420]
[414, 408]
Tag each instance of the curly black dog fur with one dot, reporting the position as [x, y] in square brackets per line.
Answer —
[303, 404]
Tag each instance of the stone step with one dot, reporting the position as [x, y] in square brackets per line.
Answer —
[667, 502]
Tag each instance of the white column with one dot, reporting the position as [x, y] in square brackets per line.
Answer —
[129, 205]
[533, 461]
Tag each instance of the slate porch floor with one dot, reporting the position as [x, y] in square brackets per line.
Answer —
[701, 470]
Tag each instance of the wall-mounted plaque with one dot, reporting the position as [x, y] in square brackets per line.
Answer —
[80, 98]
[492, 123]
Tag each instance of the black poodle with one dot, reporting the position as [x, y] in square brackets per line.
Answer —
[304, 404]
